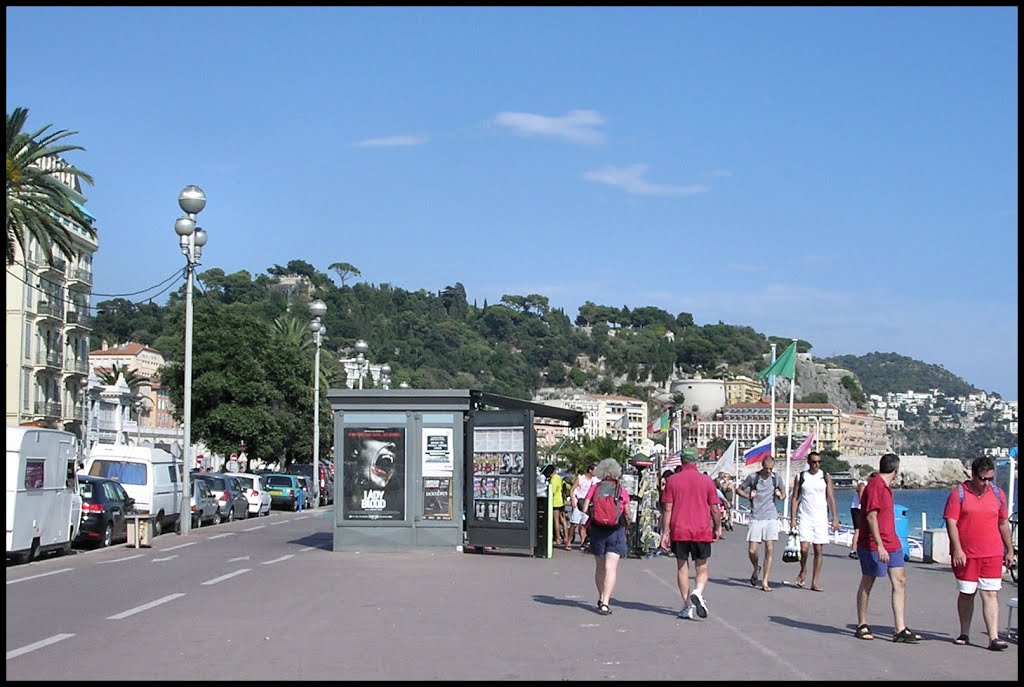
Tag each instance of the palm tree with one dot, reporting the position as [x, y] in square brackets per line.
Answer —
[131, 377]
[37, 201]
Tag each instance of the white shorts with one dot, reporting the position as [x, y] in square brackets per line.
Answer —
[815, 532]
[763, 530]
[984, 584]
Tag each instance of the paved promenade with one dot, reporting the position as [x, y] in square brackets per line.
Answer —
[503, 615]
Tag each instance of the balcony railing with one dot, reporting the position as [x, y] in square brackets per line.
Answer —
[78, 318]
[40, 263]
[79, 274]
[50, 358]
[50, 309]
[48, 408]
[79, 366]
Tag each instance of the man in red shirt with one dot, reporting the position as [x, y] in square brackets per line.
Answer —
[979, 545]
[880, 550]
[691, 506]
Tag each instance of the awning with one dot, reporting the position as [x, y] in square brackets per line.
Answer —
[85, 212]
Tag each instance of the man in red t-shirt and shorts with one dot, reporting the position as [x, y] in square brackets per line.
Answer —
[691, 506]
[880, 550]
[979, 545]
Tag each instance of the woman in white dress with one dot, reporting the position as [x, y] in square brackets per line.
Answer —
[580, 488]
[812, 500]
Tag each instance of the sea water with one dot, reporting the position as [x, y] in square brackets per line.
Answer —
[929, 502]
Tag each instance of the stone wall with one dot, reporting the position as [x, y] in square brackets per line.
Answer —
[916, 472]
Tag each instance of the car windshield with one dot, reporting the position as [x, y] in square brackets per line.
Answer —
[216, 483]
[122, 471]
[246, 482]
[279, 481]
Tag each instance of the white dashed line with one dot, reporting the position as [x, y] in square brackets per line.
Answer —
[278, 560]
[167, 558]
[32, 577]
[37, 645]
[144, 607]
[119, 560]
[221, 536]
[180, 546]
[226, 577]
[253, 529]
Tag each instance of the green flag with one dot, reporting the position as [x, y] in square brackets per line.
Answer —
[665, 417]
[784, 365]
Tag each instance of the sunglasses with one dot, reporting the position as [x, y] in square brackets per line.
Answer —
[814, 462]
[987, 479]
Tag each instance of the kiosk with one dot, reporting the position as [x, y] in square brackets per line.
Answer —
[436, 468]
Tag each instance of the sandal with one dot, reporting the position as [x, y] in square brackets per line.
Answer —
[753, 578]
[603, 609]
[863, 632]
[905, 636]
[997, 645]
[962, 640]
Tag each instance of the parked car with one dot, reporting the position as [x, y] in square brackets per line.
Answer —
[326, 478]
[284, 490]
[105, 504]
[307, 490]
[255, 489]
[229, 493]
[205, 507]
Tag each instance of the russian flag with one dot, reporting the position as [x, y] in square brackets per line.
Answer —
[758, 452]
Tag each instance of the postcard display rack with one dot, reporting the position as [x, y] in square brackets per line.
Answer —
[501, 507]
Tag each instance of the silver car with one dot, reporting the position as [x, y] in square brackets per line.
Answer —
[205, 509]
[229, 494]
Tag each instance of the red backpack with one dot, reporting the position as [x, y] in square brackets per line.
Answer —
[607, 507]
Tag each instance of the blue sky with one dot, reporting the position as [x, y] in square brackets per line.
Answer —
[846, 176]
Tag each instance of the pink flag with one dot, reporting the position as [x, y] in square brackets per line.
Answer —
[803, 449]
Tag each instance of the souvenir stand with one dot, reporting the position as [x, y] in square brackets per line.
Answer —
[641, 481]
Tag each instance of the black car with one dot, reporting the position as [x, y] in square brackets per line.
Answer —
[104, 506]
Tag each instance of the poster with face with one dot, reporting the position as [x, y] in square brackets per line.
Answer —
[374, 469]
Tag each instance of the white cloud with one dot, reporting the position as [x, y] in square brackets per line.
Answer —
[630, 179]
[578, 126]
[391, 141]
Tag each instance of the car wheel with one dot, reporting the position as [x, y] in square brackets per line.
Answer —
[158, 524]
[295, 505]
[216, 517]
[108, 536]
[231, 514]
[199, 521]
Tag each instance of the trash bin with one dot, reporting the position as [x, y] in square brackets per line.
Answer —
[903, 529]
[139, 531]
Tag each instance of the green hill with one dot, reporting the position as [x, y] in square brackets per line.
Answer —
[882, 373]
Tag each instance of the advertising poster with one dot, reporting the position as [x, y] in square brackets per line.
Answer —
[437, 498]
[374, 469]
[438, 452]
[498, 475]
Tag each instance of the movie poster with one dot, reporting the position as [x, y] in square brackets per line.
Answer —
[374, 470]
[437, 498]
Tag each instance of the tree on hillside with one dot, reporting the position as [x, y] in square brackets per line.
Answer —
[344, 270]
[37, 201]
[131, 377]
[577, 453]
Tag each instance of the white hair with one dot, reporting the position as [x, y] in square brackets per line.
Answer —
[609, 468]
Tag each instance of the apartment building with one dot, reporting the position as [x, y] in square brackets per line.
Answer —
[749, 423]
[48, 322]
[620, 417]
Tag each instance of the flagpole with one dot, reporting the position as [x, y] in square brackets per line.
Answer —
[771, 386]
[789, 437]
[736, 472]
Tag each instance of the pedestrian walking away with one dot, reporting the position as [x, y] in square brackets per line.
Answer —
[855, 515]
[881, 552]
[977, 520]
[812, 500]
[561, 527]
[763, 488]
[607, 541]
[692, 521]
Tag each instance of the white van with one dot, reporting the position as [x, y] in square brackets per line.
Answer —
[44, 509]
[150, 475]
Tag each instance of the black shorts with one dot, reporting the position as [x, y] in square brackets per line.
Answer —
[855, 516]
[698, 550]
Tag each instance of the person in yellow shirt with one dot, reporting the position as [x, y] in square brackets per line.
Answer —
[560, 526]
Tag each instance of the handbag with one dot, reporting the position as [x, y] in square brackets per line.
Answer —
[791, 554]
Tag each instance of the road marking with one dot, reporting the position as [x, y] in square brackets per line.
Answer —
[301, 517]
[240, 558]
[253, 529]
[226, 577]
[306, 548]
[279, 522]
[14, 653]
[800, 675]
[118, 560]
[180, 546]
[32, 577]
[221, 536]
[168, 558]
[278, 560]
[144, 607]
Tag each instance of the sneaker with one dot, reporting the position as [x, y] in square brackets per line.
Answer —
[686, 613]
[698, 602]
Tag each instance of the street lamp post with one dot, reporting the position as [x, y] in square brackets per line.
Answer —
[318, 309]
[361, 348]
[817, 432]
[385, 376]
[191, 238]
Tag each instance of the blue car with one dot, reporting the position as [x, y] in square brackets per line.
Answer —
[285, 491]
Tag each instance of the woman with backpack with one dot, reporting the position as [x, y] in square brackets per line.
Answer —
[607, 504]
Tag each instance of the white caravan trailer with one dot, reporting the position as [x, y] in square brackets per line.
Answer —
[44, 509]
[150, 475]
